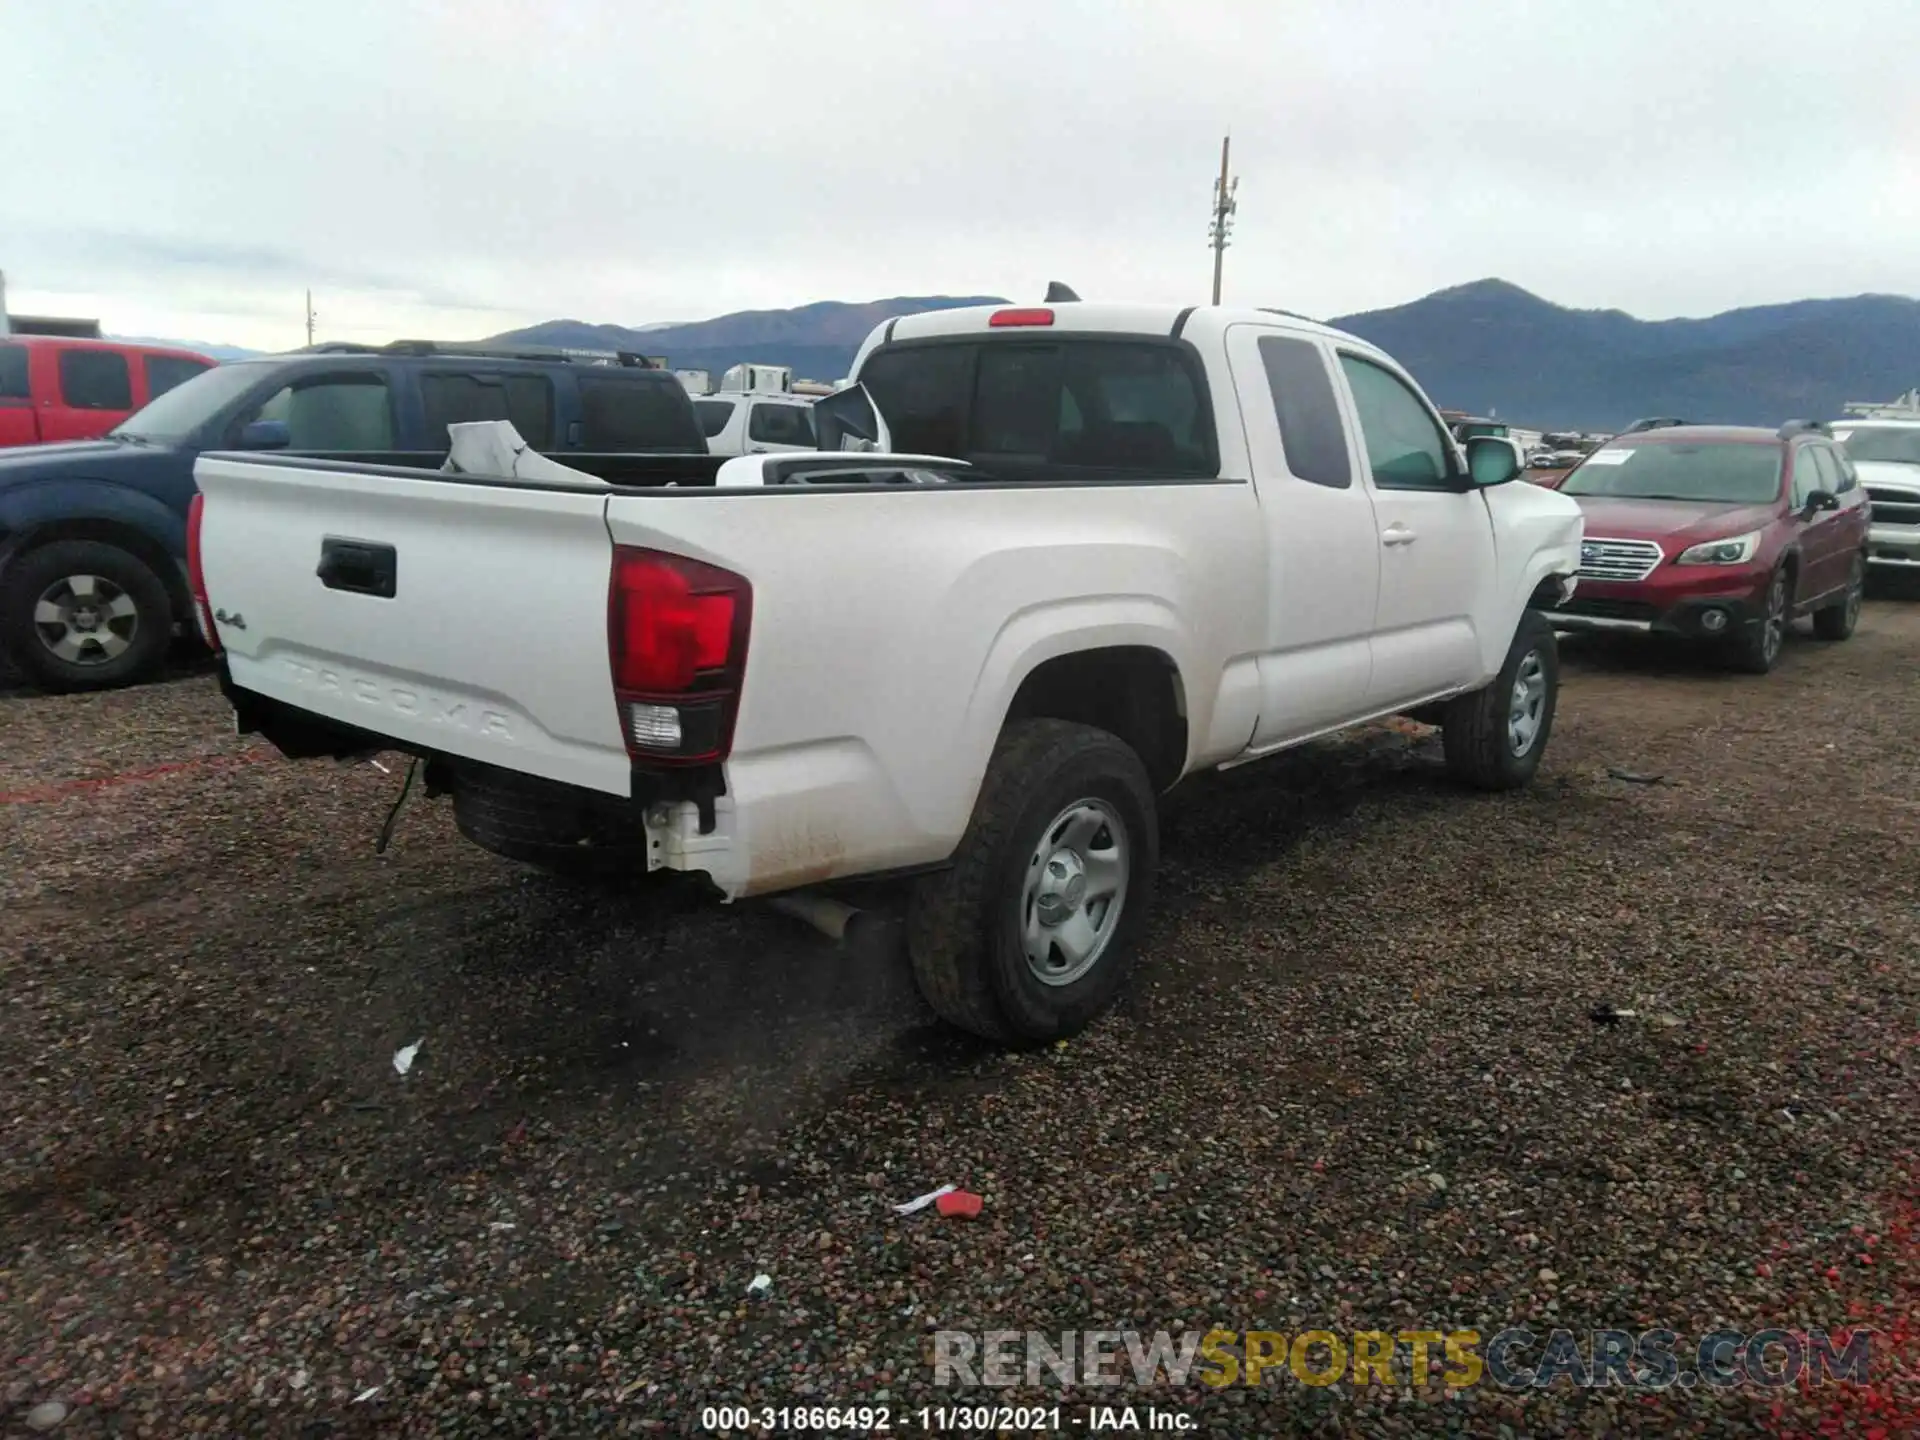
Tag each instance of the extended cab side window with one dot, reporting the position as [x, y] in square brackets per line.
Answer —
[460, 398]
[13, 373]
[95, 380]
[333, 412]
[1311, 432]
[1406, 448]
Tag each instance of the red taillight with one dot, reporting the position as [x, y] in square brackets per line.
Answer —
[677, 642]
[196, 576]
[1001, 318]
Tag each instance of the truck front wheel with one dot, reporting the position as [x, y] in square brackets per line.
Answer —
[1031, 932]
[1495, 736]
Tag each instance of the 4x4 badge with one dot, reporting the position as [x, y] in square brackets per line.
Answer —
[236, 620]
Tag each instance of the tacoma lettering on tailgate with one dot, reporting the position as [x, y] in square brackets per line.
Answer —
[407, 700]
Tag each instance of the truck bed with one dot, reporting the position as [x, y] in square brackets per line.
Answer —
[890, 627]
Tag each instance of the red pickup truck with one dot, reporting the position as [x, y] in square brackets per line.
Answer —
[56, 388]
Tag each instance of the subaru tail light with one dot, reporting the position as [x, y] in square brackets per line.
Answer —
[677, 644]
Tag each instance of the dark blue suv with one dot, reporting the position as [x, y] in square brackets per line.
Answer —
[93, 534]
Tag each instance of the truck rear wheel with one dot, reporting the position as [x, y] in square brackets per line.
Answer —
[1495, 736]
[1031, 932]
[84, 615]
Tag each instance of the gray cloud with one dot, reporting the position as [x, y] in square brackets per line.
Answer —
[627, 162]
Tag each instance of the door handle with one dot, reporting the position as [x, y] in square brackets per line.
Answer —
[1397, 535]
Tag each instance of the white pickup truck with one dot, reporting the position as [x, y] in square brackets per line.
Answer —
[1165, 541]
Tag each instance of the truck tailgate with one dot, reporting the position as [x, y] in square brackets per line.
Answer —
[492, 644]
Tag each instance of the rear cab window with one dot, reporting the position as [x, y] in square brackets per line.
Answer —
[636, 413]
[95, 380]
[1070, 406]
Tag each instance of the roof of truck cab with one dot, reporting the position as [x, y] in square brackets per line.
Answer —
[1083, 316]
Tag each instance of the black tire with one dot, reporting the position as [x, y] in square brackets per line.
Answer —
[1836, 621]
[526, 820]
[1758, 648]
[119, 650]
[966, 924]
[1477, 728]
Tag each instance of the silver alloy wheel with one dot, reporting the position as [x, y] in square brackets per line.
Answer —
[1774, 633]
[1856, 590]
[86, 620]
[1076, 887]
[1529, 704]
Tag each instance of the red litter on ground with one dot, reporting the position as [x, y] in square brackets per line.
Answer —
[959, 1203]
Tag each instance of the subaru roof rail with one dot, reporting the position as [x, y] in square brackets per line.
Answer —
[1804, 427]
[484, 350]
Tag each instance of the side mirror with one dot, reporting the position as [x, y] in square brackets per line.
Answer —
[1818, 500]
[265, 435]
[1492, 460]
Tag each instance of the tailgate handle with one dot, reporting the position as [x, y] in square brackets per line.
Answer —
[360, 566]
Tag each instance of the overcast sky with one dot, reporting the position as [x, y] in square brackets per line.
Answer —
[451, 168]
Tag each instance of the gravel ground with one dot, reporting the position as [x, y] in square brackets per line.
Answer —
[1356, 1085]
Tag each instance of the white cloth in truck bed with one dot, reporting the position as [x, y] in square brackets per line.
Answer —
[494, 450]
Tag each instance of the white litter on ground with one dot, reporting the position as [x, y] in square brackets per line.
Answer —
[920, 1202]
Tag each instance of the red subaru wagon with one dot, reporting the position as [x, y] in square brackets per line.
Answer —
[56, 388]
[1720, 535]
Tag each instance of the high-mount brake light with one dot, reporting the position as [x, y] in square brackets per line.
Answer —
[197, 578]
[1001, 318]
[677, 644]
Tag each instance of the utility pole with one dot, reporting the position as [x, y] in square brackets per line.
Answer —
[1224, 205]
[309, 319]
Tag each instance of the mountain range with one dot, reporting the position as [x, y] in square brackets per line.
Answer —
[1489, 346]
[818, 340]
[1493, 345]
